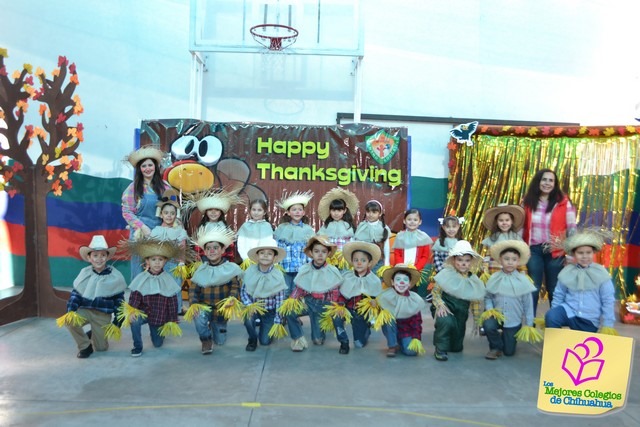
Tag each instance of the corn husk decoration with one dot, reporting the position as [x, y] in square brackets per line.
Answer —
[252, 309]
[336, 310]
[528, 334]
[384, 318]
[111, 331]
[382, 269]
[230, 308]
[326, 322]
[194, 310]
[338, 261]
[127, 313]
[538, 322]
[170, 329]
[485, 276]
[368, 308]
[277, 331]
[609, 331]
[416, 345]
[488, 314]
[246, 264]
[71, 318]
[182, 271]
[291, 306]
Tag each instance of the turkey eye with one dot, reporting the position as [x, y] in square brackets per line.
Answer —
[210, 150]
[184, 147]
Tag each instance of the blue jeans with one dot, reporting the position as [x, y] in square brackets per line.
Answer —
[557, 318]
[315, 308]
[361, 329]
[288, 279]
[541, 266]
[208, 329]
[390, 331]
[505, 341]
[266, 322]
[136, 333]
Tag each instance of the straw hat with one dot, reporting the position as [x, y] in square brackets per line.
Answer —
[297, 198]
[169, 197]
[146, 152]
[146, 247]
[214, 233]
[350, 200]
[414, 274]
[491, 214]
[522, 248]
[218, 198]
[324, 241]
[267, 244]
[591, 238]
[98, 243]
[462, 247]
[349, 248]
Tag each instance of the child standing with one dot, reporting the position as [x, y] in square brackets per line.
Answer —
[374, 230]
[215, 280]
[336, 209]
[405, 306]
[153, 292]
[503, 222]
[256, 229]
[413, 246]
[510, 292]
[457, 289]
[584, 297]
[359, 282]
[450, 234]
[318, 283]
[263, 284]
[97, 293]
[293, 233]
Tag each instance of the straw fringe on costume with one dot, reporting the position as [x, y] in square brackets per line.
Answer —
[126, 313]
[295, 198]
[147, 247]
[529, 334]
[194, 310]
[70, 318]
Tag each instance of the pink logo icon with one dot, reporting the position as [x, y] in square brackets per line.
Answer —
[581, 364]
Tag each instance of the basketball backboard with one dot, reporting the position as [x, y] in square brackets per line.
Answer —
[326, 27]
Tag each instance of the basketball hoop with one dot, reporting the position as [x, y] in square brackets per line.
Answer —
[274, 37]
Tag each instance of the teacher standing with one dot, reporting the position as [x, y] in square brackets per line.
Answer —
[549, 215]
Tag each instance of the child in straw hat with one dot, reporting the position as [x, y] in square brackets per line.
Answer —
[153, 297]
[215, 280]
[97, 293]
[509, 299]
[503, 222]
[584, 297]
[456, 290]
[336, 209]
[293, 233]
[358, 283]
[264, 287]
[318, 284]
[404, 332]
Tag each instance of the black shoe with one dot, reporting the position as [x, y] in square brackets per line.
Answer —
[136, 352]
[84, 353]
[344, 348]
[441, 356]
[252, 344]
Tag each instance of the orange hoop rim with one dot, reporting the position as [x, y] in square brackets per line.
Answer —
[274, 42]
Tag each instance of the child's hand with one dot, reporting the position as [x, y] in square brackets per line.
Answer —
[442, 311]
[374, 303]
[230, 303]
[145, 230]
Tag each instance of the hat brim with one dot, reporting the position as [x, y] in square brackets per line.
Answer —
[324, 241]
[583, 239]
[491, 214]
[145, 152]
[86, 250]
[280, 253]
[522, 248]
[350, 200]
[372, 249]
[476, 260]
[414, 275]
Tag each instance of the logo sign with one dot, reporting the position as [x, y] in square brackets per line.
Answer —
[382, 146]
[584, 373]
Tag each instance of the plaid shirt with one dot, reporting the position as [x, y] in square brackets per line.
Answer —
[270, 303]
[476, 306]
[104, 304]
[541, 222]
[333, 295]
[439, 257]
[410, 327]
[212, 295]
[158, 308]
[295, 257]
[130, 205]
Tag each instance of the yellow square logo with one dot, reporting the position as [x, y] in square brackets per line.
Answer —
[584, 373]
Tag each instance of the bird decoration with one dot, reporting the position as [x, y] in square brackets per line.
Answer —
[462, 133]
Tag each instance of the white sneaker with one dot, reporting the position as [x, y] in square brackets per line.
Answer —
[299, 344]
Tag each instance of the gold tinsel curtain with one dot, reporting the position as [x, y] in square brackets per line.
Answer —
[599, 173]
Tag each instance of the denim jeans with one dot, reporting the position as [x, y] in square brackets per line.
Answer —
[261, 332]
[315, 308]
[136, 333]
[288, 279]
[505, 341]
[208, 329]
[557, 318]
[542, 266]
[361, 329]
[390, 331]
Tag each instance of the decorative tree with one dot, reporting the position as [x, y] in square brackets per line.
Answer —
[34, 179]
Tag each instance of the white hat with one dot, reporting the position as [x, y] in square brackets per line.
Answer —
[98, 243]
[214, 232]
[462, 247]
[297, 198]
[219, 198]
